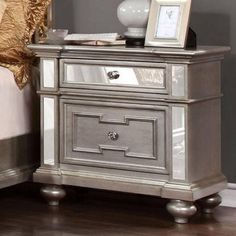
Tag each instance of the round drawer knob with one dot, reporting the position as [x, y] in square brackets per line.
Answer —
[113, 136]
[112, 75]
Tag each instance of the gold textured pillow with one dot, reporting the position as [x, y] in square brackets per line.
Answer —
[18, 24]
[3, 6]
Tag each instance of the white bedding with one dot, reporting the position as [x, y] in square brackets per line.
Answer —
[16, 107]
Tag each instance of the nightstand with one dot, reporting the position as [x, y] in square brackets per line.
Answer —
[144, 121]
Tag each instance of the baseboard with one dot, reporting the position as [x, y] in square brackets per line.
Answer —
[229, 196]
[16, 176]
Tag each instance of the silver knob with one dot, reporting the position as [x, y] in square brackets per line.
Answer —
[113, 136]
[113, 75]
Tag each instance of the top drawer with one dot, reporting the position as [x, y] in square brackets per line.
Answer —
[121, 76]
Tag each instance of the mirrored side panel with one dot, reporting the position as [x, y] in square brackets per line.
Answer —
[179, 80]
[48, 130]
[178, 143]
[48, 74]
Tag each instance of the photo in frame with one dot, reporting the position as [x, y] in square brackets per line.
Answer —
[168, 23]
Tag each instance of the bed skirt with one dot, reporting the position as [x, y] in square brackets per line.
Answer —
[19, 158]
[19, 131]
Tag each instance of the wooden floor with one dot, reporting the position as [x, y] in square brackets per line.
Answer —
[93, 212]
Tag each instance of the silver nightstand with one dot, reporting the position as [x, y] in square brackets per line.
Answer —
[135, 120]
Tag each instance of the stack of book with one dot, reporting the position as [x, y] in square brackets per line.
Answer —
[95, 39]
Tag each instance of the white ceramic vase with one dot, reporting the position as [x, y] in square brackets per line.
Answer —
[134, 15]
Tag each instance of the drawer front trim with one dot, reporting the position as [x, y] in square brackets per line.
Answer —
[85, 141]
[125, 149]
[95, 75]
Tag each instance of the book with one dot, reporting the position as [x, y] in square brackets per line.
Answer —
[101, 43]
[108, 39]
[104, 37]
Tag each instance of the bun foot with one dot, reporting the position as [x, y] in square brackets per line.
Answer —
[53, 194]
[209, 203]
[181, 210]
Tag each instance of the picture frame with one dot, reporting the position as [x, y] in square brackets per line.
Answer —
[168, 23]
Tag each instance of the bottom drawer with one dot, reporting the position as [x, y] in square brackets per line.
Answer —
[114, 136]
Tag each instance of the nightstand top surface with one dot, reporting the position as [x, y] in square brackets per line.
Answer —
[123, 53]
[154, 50]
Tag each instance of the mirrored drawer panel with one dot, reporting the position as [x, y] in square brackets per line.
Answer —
[114, 137]
[123, 76]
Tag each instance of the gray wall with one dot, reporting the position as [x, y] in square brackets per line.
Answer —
[214, 22]
[88, 16]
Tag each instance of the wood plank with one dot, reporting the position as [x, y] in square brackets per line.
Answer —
[93, 212]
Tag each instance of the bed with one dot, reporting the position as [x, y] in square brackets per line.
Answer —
[19, 102]
[19, 139]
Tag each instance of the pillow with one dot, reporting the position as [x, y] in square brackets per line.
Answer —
[18, 24]
[3, 6]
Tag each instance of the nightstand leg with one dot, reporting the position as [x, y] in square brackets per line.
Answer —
[209, 203]
[53, 194]
[181, 210]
